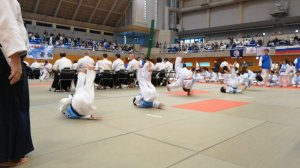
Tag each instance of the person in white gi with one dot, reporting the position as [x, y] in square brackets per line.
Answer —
[224, 65]
[147, 94]
[273, 79]
[232, 83]
[296, 80]
[168, 65]
[118, 64]
[103, 65]
[284, 74]
[133, 63]
[159, 65]
[85, 61]
[58, 66]
[81, 104]
[46, 71]
[184, 77]
[35, 65]
[15, 141]
[62, 63]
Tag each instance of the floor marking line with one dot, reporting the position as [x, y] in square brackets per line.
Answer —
[151, 115]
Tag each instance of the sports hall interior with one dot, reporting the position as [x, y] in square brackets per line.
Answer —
[259, 128]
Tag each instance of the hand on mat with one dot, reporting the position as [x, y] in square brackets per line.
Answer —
[16, 69]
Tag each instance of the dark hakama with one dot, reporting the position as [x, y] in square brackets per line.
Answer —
[15, 135]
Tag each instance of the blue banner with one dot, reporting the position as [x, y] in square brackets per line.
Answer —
[236, 53]
[40, 51]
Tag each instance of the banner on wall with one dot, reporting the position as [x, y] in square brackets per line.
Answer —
[236, 53]
[40, 51]
[251, 50]
[260, 51]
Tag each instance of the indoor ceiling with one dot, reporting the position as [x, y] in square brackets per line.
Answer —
[101, 12]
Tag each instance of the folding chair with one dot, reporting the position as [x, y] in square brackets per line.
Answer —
[66, 77]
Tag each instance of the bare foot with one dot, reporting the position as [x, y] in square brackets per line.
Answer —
[15, 163]
[92, 117]
[161, 106]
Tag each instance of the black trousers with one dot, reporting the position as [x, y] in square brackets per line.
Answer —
[15, 134]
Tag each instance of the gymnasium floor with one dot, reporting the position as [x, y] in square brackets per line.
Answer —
[257, 129]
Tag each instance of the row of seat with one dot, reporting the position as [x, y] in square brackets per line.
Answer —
[63, 79]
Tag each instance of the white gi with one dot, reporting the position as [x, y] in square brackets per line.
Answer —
[35, 65]
[81, 104]
[83, 62]
[46, 71]
[118, 65]
[103, 65]
[233, 83]
[62, 63]
[133, 65]
[147, 94]
[159, 66]
[184, 76]
[168, 66]
[296, 81]
[273, 80]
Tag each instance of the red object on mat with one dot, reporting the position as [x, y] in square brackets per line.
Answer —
[213, 105]
[182, 93]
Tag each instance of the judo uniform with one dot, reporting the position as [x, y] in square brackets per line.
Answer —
[15, 134]
[80, 105]
[184, 76]
[284, 75]
[233, 83]
[296, 81]
[46, 72]
[147, 94]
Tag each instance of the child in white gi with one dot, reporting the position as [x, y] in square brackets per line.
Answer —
[273, 79]
[284, 74]
[47, 68]
[184, 77]
[80, 105]
[296, 79]
[147, 95]
[232, 83]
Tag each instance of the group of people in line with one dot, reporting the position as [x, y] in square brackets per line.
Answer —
[80, 104]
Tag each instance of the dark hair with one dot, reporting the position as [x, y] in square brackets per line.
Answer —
[134, 101]
[223, 89]
[166, 59]
[63, 54]
[183, 65]
[75, 61]
[104, 55]
[118, 55]
[266, 50]
[158, 59]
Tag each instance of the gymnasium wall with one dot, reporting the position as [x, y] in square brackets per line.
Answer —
[246, 12]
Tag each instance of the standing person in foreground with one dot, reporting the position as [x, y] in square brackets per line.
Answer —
[184, 77]
[15, 141]
[147, 95]
[265, 62]
[80, 105]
